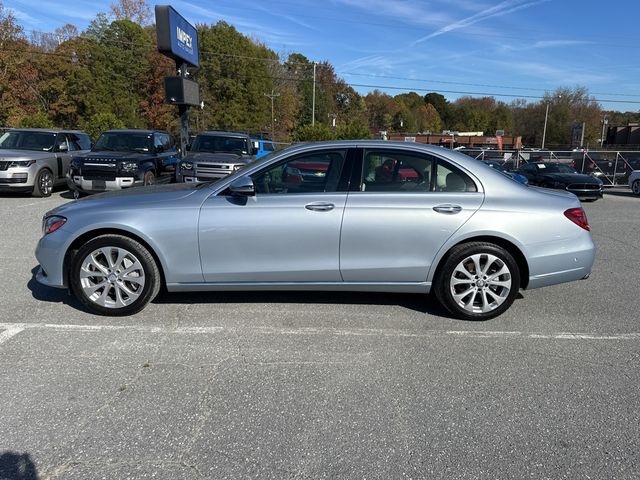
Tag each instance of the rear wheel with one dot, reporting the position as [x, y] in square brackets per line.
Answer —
[114, 275]
[635, 187]
[478, 281]
[44, 183]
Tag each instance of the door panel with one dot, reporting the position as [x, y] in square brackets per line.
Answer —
[271, 238]
[389, 237]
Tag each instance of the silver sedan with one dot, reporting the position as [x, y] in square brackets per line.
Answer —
[351, 216]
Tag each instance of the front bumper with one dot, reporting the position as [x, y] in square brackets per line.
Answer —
[50, 253]
[17, 178]
[78, 182]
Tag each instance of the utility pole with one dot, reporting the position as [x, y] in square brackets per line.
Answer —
[333, 117]
[605, 121]
[272, 96]
[313, 101]
[544, 132]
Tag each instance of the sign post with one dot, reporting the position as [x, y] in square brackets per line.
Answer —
[178, 39]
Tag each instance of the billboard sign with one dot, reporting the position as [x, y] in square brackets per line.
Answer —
[177, 38]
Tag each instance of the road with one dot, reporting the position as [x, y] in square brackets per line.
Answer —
[322, 385]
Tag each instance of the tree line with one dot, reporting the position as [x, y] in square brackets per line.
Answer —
[110, 75]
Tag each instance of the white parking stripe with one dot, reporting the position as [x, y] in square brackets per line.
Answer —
[10, 329]
[10, 332]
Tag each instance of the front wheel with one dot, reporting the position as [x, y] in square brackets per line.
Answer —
[478, 281]
[114, 275]
[44, 183]
[635, 187]
[149, 178]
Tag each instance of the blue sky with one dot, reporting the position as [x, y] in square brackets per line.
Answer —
[510, 47]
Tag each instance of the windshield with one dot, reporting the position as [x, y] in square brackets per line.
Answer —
[555, 168]
[36, 141]
[218, 144]
[124, 142]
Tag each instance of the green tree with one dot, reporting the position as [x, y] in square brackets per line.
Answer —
[100, 122]
[314, 133]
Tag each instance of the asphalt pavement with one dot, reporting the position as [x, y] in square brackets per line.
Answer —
[322, 385]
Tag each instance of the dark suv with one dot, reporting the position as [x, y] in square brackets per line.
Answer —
[123, 159]
[216, 154]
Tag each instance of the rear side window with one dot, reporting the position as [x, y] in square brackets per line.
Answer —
[78, 141]
[396, 171]
[452, 179]
[268, 147]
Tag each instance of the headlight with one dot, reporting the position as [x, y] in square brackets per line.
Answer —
[186, 165]
[128, 166]
[25, 163]
[52, 223]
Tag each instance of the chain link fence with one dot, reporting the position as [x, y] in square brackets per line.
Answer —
[612, 167]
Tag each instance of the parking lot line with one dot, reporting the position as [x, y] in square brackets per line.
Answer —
[10, 332]
[11, 329]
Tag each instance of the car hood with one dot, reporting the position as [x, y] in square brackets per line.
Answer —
[20, 155]
[569, 177]
[221, 157]
[109, 155]
[138, 197]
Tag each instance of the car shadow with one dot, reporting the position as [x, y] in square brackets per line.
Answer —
[416, 302]
[51, 295]
[17, 466]
[620, 193]
[426, 304]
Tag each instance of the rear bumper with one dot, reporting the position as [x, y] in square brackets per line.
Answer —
[572, 260]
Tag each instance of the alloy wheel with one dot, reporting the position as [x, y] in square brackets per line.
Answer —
[112, 277]
[45, 183]
[480, 283]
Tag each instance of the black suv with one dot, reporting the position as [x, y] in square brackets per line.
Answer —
[125, 158]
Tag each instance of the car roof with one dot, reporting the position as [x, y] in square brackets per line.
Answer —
[135, 130]
[46, 130]
[223, 132]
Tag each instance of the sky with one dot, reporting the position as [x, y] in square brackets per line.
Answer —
[509, 49]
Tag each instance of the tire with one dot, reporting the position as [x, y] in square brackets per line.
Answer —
[469, 296]
[44, 183]
[114, 275]
[149, 178]
[635, 187]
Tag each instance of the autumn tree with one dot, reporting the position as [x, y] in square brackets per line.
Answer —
[137, 11]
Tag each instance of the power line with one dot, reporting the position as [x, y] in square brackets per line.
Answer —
[380, 87]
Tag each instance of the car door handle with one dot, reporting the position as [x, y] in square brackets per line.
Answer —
[448, 209]
[319, 206]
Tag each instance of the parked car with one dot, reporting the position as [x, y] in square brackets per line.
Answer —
[475, 242]
[216, 154]
[36, 160]
[634, 182]
[123, 159]
[562, 177]
[513, 175]
[263, 147]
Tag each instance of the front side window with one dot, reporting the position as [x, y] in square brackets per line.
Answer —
[396, 171]
[311, 172]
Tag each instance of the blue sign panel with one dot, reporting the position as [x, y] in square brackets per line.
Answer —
[177, 38]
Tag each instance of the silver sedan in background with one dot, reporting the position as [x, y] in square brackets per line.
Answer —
[350, 216]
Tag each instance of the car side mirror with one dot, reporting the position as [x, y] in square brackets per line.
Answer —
[243, 186]
[63, 147]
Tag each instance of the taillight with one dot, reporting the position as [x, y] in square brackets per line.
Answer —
[577, 216]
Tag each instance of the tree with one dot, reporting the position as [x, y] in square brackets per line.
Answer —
[101, 122]
[441, 105]
[137, 11]
[314, 133]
